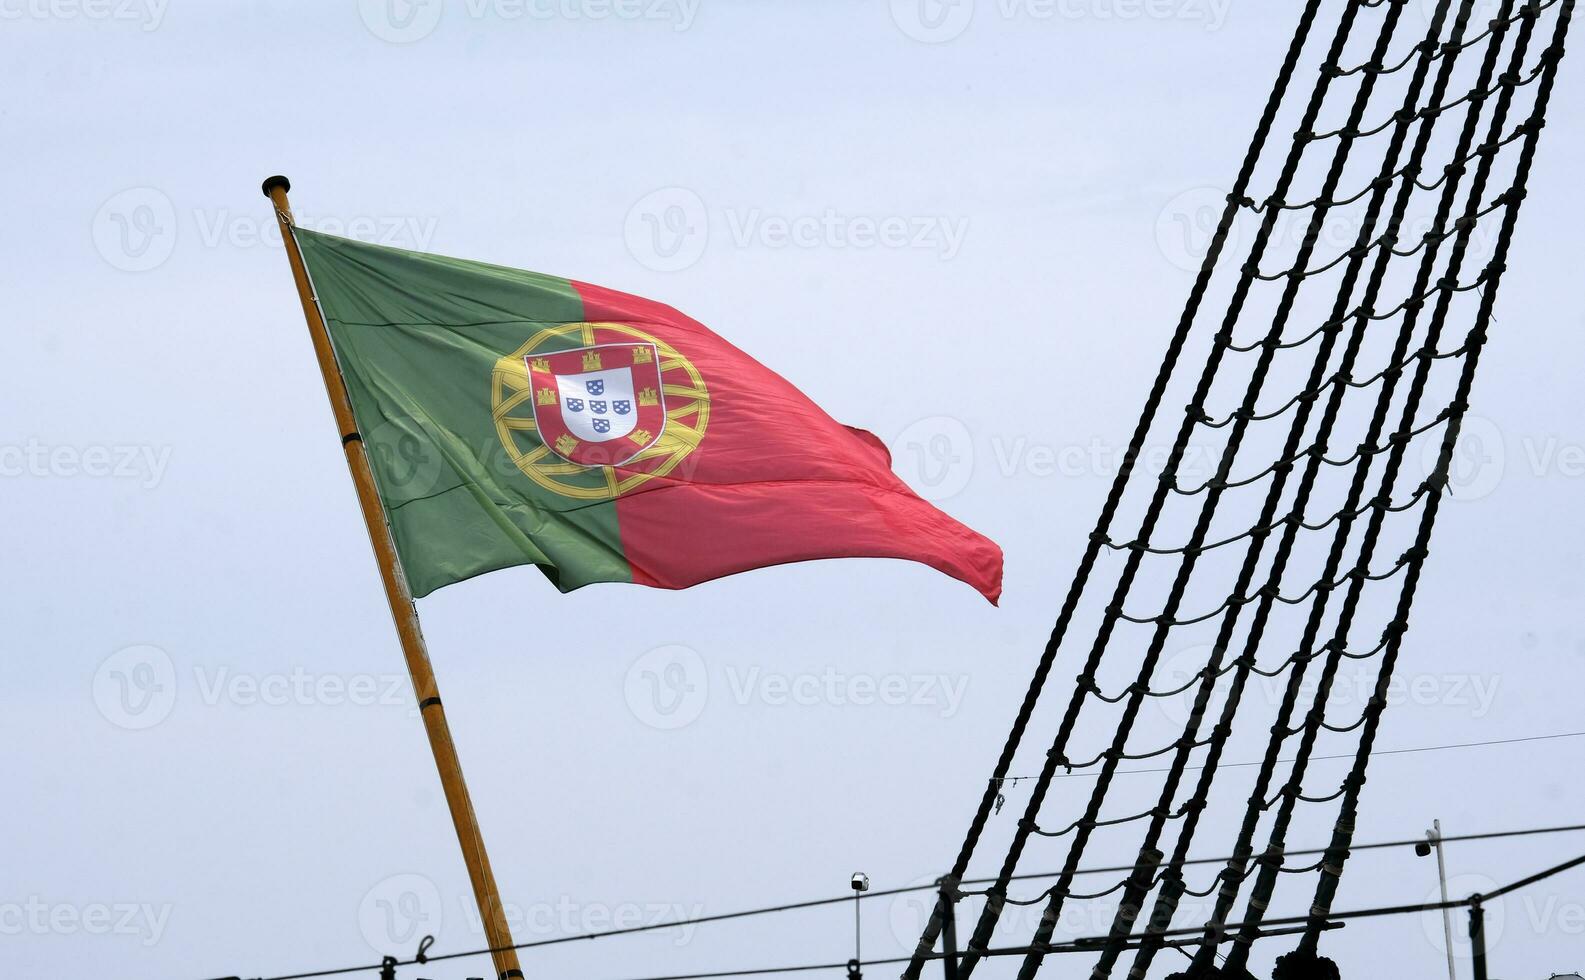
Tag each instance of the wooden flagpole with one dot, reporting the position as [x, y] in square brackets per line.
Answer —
[485, 893]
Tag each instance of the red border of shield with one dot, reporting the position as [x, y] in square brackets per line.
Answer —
[644, 361]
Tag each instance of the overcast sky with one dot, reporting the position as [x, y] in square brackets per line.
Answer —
[968, 228]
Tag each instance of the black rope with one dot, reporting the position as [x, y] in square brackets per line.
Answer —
[1056, 755]
[1414, 302]
[1270, 592]
[1298, 656]
[1345, 329]
[1258, 207]
[1079, 773]
[992, 908]
[1440, 50]
[1457, 169]
[1136, 443]
[1477, 95]
[1292, 519]
[1266, 879]
[1389, 239]
[1310, 394]
[1326, 886]
[1364, 450]
[1166, 905]
[1190, 557]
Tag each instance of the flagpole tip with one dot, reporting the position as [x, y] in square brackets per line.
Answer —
[270, 183]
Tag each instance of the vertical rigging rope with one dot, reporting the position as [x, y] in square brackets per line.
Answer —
[1174, 886]
[997, 893]
[1340, 155]
[1337, 852]
[1136, 444]
[1242, 849]
[1272, 858]
[1349, 319]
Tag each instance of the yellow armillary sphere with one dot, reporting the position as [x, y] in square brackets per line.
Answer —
[512, 405]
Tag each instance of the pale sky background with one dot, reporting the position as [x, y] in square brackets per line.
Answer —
[213, 765]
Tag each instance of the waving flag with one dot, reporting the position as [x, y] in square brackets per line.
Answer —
[515, 418]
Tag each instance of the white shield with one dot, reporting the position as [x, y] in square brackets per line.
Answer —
[598, 406]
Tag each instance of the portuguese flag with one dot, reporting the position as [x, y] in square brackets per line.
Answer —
[514, 418]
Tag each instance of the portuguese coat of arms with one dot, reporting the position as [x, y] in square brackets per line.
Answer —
[598, 406]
